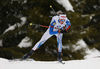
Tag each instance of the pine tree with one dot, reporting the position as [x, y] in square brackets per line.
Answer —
[10, 12]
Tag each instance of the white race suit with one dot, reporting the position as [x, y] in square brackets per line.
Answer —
[55, 25]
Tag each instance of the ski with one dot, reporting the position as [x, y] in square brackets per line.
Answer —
[29, 59]
[61, 62]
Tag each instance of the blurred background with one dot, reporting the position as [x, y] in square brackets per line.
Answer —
[17, 36]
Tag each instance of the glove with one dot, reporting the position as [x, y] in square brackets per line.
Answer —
[62, 31]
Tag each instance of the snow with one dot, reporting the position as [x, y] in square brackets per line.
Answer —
[26, 42]
[74, 64]
[16, 25]
[0, 42]
[80, 44]
[66, 4]
[90, 52]
[10, 28]
[91, 16]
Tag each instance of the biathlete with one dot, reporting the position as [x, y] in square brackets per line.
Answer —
[59, 25]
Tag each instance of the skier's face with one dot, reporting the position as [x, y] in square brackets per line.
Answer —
[62, 21]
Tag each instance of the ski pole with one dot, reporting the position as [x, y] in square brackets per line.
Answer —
[53, 9]
[44, 26]
[55, 12]
[39, 25]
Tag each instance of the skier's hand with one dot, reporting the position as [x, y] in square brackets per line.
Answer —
[62, 31]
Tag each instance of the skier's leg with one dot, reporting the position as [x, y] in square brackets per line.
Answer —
[42, 40]
[38, 44]
[59, 40]
[27, 55]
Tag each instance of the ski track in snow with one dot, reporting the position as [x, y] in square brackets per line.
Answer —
[73, 64]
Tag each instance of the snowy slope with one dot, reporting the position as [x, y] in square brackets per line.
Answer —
[75, 64]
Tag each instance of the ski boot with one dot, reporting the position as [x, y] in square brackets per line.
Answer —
[27, 55]
[59, 57]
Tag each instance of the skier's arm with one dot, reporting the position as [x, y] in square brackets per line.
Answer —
[66, 28]
[68, 25]
[52, 27]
